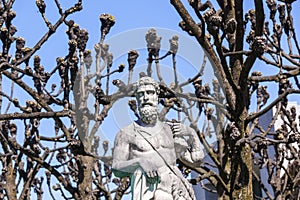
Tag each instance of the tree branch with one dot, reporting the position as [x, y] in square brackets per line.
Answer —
[35, 115]
[204, 42]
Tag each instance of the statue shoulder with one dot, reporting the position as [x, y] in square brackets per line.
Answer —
[167, 128]
[126, 132]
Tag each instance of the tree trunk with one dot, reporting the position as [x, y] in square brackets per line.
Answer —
[10, 186]
[85, 169]
[240, 178]
[242, 189]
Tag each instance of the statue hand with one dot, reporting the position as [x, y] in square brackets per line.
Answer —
[176, 128]
[150, 170]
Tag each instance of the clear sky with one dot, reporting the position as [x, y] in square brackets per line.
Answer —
[132, 17]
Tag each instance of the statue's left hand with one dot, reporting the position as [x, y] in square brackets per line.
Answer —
[177, 128]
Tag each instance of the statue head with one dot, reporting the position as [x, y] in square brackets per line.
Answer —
[146, 93]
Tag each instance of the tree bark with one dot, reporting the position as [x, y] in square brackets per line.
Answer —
[10, 186]
[242, 189]
[85, 176]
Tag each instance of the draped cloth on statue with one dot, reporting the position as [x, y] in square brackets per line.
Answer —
[171, 186]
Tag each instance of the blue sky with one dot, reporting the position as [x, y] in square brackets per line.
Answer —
[132, 17]
[129, 15]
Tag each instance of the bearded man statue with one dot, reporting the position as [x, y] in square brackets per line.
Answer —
[147, 150]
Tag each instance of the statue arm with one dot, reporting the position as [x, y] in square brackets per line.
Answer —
[187, 143]
[122, 165]
[196, 151]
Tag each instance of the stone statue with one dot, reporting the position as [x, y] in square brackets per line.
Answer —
[147, 150]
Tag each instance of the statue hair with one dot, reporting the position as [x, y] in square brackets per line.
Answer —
[146, 80]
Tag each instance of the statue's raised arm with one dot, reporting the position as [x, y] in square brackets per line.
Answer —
[187, 143]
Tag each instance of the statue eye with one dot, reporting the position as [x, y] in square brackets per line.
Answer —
[151, 92]
[140, 94]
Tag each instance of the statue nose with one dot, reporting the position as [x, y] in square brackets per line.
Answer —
[146, 96]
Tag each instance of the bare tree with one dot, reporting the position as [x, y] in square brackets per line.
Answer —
[66, 161]
[69, 152]
[235, 40]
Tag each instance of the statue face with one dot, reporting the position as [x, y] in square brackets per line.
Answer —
[146, 96]
[147, 99]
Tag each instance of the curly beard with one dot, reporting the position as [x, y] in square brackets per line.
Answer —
[148, 114]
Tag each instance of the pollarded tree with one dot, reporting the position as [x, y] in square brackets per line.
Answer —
[236, 38]
[61, 157]
[67, 156]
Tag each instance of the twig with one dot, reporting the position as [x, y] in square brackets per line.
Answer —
[266, 109]
[50, 32]
[35, 115]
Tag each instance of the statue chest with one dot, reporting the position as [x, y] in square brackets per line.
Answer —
[143, 142]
